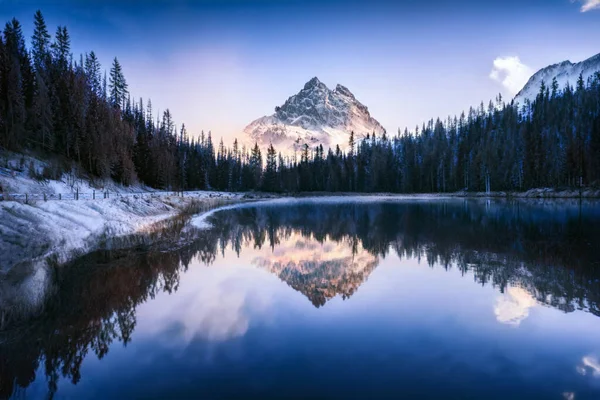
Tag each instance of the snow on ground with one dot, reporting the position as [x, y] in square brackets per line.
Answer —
[21, 174]
[70, 227]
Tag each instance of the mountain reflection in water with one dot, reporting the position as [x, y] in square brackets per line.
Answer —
[533, 254]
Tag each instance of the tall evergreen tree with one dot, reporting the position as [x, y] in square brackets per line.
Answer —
[270, 183]
[118, 85]
[40, 44]
[92, 72]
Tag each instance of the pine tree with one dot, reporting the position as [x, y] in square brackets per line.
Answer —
[40, 44]
[104, 90]
[554, 88]
[41, 118]
[92, 72]
[256, 166]
[270, 176]
[15, 70]
[118, 85]
[61, 48]
[183, 144]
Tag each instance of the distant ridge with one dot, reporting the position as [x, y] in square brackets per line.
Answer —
[564, 72]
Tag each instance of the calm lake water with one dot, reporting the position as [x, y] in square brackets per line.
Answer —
[457, 299]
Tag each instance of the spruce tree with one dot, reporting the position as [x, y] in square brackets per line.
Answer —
[92, 72]
[270, 176]
[118, 85]
[40, 44]
[16, 85]
[61, 48]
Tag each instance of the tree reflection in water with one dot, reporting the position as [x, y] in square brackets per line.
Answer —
[544, 250]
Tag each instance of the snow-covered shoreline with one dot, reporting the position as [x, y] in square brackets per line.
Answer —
[66, 229]
[36, 236]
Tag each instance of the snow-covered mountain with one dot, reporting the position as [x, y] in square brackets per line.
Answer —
[565, 72]
[316, 115]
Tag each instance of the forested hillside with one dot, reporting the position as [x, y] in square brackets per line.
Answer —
[58, 105]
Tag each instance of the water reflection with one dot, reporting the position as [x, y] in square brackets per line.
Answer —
[214, 309]
[544, 249]
[589, 366]
[534, 254]
[513, 306]
[320, 270]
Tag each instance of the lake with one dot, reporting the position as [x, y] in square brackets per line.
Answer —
[348, 298]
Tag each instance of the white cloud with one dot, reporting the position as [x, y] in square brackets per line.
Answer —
[511, 72]
[588, 5]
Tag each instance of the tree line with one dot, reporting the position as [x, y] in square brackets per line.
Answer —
[54, 104]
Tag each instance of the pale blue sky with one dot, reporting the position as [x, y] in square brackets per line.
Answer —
[218, 65]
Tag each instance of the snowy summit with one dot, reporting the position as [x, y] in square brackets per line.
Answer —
[564, 72]
[316, 115]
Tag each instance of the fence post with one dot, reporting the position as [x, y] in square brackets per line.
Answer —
[26, 200]
[93, 195]
[45, 197]
[60, 196]
[77, 194]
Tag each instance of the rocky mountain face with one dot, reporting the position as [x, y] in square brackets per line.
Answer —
[316, 115]
[564, 72]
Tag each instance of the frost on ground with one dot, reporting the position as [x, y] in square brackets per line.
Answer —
[67, 228]
[35, 236]
[21, 174]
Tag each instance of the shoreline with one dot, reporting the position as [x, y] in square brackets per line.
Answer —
[544, 193]
[53, 229]
[42, 236]
[63, 230]
[37, 238]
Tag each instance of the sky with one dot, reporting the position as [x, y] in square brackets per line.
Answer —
[218, 65]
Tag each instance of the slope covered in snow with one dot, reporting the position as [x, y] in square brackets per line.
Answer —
[316, 115]
[22, 174]
[565, 73]
[68, 228]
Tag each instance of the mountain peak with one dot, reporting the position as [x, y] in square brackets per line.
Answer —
[315, 115]
[314, 82]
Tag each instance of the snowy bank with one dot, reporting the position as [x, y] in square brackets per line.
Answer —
[66, 229]
[36, 237]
